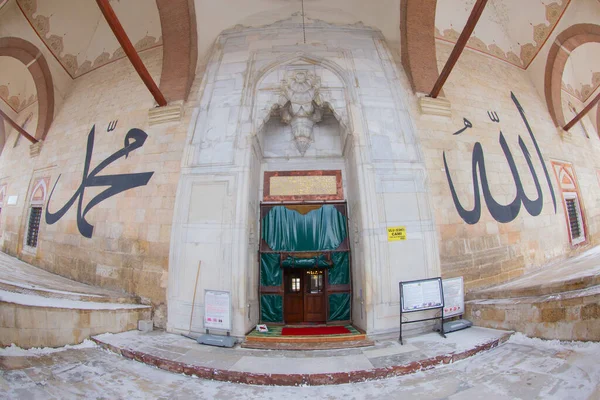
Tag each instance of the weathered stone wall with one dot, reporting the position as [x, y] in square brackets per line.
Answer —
[489, 252]
[129, 248]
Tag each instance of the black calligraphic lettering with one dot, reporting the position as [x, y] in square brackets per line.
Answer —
[537, 148]
[467, 123]
[501, 213]
[112, 125]
[494, 116]
[118, 183]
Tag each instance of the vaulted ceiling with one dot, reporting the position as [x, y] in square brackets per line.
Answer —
[582, 71]
[79, 37]
[16, 84]
[511, 30]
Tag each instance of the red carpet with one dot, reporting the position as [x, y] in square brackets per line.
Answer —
[319, 330]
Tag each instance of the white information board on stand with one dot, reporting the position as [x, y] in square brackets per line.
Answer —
[217, 310]
[454, 297]
[421, 295]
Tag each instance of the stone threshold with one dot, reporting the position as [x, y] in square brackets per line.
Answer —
[159, 360]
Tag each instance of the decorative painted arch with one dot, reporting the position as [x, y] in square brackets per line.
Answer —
[567, 41]
[417, 33]
[35, 62]
[180, 49]
[40, 191]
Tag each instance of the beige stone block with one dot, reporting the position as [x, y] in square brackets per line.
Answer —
[25, 317]
[590, 311]
[7, 315]
[9, 336]
[492, 314]
[553, 314]
[55, 318]
[84, 319]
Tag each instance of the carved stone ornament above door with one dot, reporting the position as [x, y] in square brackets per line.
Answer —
[300, 105]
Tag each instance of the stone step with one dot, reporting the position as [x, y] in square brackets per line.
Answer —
[29, 320]
[566, 315]
[20, 277]
[26, 288]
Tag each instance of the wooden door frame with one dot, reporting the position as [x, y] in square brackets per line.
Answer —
[328, 289]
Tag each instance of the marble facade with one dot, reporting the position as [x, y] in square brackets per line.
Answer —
[238, 134]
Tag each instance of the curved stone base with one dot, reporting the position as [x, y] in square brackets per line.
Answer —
[386, 359]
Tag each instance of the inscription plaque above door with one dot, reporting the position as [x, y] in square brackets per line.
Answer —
[315, 185]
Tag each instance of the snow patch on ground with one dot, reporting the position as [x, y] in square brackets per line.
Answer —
[43, 289]
[521, 339]
[16, 351]
[39, 301]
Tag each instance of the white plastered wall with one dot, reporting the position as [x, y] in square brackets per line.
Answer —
[216, 214]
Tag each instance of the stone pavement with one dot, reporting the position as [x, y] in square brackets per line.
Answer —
[521, 368]
[387, 358]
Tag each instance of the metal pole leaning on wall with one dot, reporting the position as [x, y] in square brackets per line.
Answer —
[194, 298]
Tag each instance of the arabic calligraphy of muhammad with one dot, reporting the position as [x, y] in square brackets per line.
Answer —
[117, 183]
[502, 213]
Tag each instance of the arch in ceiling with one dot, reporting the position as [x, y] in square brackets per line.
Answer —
[417, 34]
[180, 48]
[35, 62]
[567, 41]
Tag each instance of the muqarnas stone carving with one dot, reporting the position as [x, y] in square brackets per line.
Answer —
[300, 105]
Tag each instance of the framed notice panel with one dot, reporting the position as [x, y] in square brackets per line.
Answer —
[454, 297]
[421, 295]
[217, 310]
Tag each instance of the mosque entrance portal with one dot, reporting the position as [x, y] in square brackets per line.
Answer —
[305, 263]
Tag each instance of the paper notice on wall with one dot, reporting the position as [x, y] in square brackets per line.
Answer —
[12, 200]
[454, 296]
[396, 233]
[421, 295]
[217, 310]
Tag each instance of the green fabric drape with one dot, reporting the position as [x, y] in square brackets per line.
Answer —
[271, 308]
[288, 230]
[339, 307]
[314, 262]
[270, 272]
[339, 274]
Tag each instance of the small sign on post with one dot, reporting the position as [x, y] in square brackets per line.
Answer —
[454, 297]
[396, 233]
[217, 315]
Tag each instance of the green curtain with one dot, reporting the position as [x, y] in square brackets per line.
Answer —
[339, 274]
[314, 262]
[270, 272]
[271, 308]
[339, 307]
[288, 230]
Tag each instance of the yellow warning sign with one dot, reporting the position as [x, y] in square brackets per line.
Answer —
[396, 233]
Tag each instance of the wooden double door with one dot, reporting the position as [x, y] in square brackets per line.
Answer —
[304, 296]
